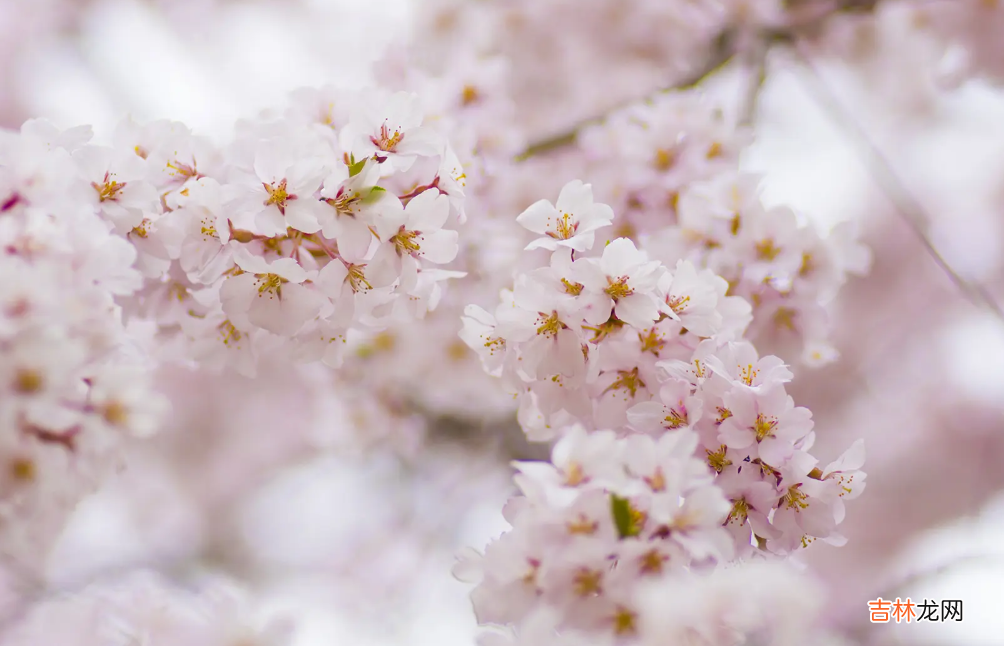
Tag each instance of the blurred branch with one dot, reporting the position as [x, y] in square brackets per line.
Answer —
[721, 53]
[758, 77]
[907, 206]
[728, 44]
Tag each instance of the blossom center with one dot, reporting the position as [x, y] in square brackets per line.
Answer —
[624, 621]
[795, 498]
[470, 95]
[717, 459]
[109, 190]
[764, 427]
[344, 202]
[767, 250]
[404, 242]
[565, 228]
[618, 289]
[651, 342]
[23, 469]
[652, 560]
[677, 303]
[657, 481]
[179, 168]
[574, 475]
[356, 278]
[229, 333]
[740, 511]
[572, 288]
[550, 325]
[270, 284]
[278, 195]
[143, 230]
[587, 582]
[676, 418]
[627, 380]
[664, 159]
[387, 141]
[582, 525]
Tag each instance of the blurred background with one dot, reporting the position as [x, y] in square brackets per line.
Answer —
[347, 517]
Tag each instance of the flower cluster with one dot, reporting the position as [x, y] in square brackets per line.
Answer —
[670, 166]
[70, 394]
[145, 607]
[678, 445]
[769, 256]
[329, 217]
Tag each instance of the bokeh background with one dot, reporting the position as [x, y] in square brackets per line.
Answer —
[348, 523]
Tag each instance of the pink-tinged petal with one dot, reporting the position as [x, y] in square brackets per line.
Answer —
[775, 452]
[271, 162]
[796, 424]
[647, 416]
[236, 294]
[620, 257]
[575, 198]
[543, 243]
[540, 217]
[852, 459]
[305, 178]
[423, 142]
[270, 222]
[354, 237]
[331, 279]
[289, 269]
[303, 214]
[595, 308]
[589, 272]
[428, 211]
[438, 247]
[284, 313]
[637, 310]
[580, 242]
[734, 436]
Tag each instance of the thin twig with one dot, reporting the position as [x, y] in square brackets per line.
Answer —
[907, 206]
[757, 78]
[721, 52]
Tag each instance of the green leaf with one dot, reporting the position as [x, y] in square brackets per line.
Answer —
[374, 194]
[356, 167]
[621, 510]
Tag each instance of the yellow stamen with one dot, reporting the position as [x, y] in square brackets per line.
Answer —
[618, 289]
[565, 228]
[795, 499]
[572, 288]
[624, 621]
[717, 459]
[404, 242]
[664, 160]
[764, 427]
[627, 380]
[550, 325]
[587, 582]
[277, 195]
[767, 250]
[109, 190]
